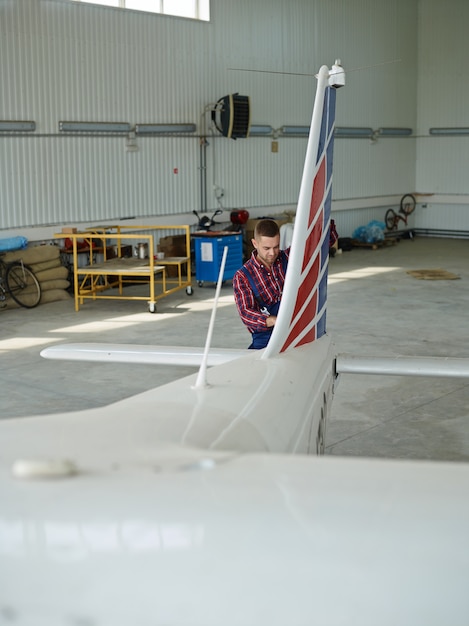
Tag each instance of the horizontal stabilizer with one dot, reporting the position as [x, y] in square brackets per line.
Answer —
[155, 355]
[403, 366]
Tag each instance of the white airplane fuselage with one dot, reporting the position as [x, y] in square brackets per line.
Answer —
[249, 405]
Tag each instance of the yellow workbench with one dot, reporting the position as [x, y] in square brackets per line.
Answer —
[93, 279]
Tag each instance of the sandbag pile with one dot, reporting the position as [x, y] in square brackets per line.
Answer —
[47, 265]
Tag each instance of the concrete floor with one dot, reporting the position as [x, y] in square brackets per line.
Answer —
[375, 308]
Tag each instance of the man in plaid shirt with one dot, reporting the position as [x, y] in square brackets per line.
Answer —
[258, 285]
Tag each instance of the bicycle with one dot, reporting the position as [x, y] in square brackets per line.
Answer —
[407, 206]
[18, 281]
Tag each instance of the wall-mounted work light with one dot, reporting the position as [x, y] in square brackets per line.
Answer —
[94, 127]
[164, 129]
[353, 132]
[260, 130]
[449, 131]
[295, 131]
[394, 132]
[17, 126]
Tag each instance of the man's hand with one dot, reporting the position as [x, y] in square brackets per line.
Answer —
[270, 321]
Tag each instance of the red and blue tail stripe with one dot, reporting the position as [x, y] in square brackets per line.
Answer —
[302, 314]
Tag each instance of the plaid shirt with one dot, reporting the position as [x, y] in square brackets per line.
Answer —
[269, 284]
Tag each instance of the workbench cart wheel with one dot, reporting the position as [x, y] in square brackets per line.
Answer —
[152, 307]
[189, 291]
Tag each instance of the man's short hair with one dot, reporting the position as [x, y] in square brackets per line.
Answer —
[266, 228]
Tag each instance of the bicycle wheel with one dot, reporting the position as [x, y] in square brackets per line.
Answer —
[22, 285]
[390, 219]
[408, 204]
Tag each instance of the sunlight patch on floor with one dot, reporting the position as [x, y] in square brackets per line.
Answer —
[124, 321]
[19, 343]
[363, 272]
[98, 326]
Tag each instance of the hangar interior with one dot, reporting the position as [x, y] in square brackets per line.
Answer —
[67, 62]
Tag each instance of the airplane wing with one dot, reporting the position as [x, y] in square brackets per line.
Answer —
[128, 353]
[445, 367]
[153, 535]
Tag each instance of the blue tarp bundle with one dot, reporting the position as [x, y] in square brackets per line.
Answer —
[13, 243]
[372, 232]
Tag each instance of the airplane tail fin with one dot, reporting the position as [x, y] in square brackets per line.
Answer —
[302, 313]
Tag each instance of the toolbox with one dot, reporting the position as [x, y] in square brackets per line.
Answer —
[208, 248]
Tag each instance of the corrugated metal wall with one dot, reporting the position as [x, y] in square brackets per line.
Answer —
[445, 217]
[443, 95]
[63, 61]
